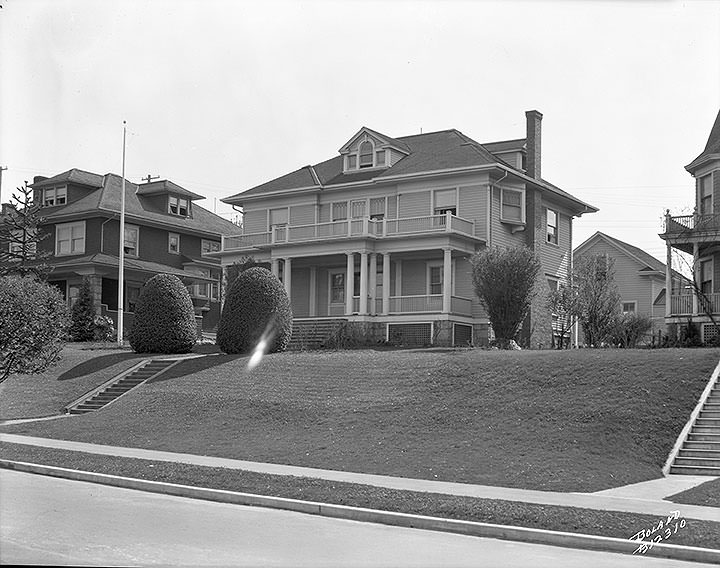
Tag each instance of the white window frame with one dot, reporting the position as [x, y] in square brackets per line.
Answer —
[137, 240]
[378, 216]
[332, 211]
[548, 240]
[627, 303]
[355, 155]
[74, 247]
[705, 190]
[210, 245]
[441, 209]
[269, 217]
[711, 262]
[429, 283]
[170, 236]
[332, 273]
[180, 204]
[522, 205]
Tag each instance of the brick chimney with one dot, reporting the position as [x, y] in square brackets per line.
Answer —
[533, 118]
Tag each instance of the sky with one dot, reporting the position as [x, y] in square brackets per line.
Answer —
[221, 95]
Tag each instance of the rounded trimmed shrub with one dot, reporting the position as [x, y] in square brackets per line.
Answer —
[256, 305]
[164, 317]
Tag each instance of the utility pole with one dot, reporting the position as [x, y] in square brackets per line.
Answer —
[2, 169]
[149, 178]
[121, 253]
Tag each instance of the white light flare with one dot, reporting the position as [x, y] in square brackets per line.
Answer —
[262, 346]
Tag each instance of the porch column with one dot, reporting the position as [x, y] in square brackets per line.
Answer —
[349, 282]
[696, 276]
[363, 283]
[373, 283]
[447, 280]
[287, 275]
[386, 284]
[275, 264]
[312, 300]
[668, 280]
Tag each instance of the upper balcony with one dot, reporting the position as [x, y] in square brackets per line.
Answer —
[683, 230]
[347, 228]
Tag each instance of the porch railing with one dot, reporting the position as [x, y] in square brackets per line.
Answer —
[682, 305]
[351, 228]
[409, 305]
[685, 223]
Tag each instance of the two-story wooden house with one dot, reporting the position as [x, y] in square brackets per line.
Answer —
[698, 235]
[639, 276]
[381, 234]
[165, 232]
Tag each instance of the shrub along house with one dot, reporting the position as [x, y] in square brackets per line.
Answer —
[381, 235]
[165, 232]
[698, 235]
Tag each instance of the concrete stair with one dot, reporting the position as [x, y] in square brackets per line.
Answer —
[700, 453]
[313, 334]
[115, 389]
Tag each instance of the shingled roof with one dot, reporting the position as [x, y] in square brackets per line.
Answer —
[74, 175]
[107, 199]
[712, 148]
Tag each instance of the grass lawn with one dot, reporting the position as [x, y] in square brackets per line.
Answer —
[707, 494]
[79, 370]
[580, 420]
[705, 534]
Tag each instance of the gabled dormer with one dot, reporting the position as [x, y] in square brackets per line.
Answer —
[168, 197]
[371, 150]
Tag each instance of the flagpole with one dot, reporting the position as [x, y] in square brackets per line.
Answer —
[121, 253]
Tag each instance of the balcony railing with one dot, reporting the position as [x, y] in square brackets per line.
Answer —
[686, 223]
[682, 305]
[379, 228]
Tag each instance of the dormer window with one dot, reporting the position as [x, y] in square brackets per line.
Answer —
[365, 156]
[54, 196]
[178, 206]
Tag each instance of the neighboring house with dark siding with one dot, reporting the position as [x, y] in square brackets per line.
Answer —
[380, 236]
[165, 232]
[639, 276]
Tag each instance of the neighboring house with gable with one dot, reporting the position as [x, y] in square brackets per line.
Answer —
[165, 232]
[380, 236]
[698, 235]
[639, 276]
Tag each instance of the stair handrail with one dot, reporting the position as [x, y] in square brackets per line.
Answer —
[681, 439]
[106, 384]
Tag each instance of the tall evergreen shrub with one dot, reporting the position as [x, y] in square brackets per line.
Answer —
[83, 315]
[164, 317]
[256, 305]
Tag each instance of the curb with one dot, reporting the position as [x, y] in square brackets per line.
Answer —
[468, 528]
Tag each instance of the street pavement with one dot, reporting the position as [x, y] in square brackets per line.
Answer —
[47, 520]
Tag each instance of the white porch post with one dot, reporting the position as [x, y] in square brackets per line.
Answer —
[363, 283]
[275, 264]
[312, 300]
[386, 284]
[447, 280]
[697, 276]
[287, 275]
[349, 282]
[668, 281]
[373, 283]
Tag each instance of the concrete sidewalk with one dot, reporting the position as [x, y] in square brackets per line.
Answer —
[644, 498]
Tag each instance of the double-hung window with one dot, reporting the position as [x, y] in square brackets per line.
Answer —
[208, 247]
[178, 206]
[130, 244]
[629, 307]
[706, 276]
[705, 197]
[70, 238]
[173, 243]
[435, 279]
[512, 207]
[552, 226]
[377, 208]
[445, 201]
[339, 211]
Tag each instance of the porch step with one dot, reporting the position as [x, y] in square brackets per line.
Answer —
[313, 334]
[700, 452]
[119, 387]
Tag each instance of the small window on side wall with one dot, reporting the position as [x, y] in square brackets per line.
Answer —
[552, 227]
[628, 307]
[512, 209]
[173, 243]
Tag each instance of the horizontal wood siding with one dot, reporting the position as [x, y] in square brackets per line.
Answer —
[302, 214]
[716, 272]
[415, 204]
[414, 273]
[300, 294]
[716, 192]
[322, 291]
[255, 221]
[463, 278]
[473, 206]
[631, 286]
